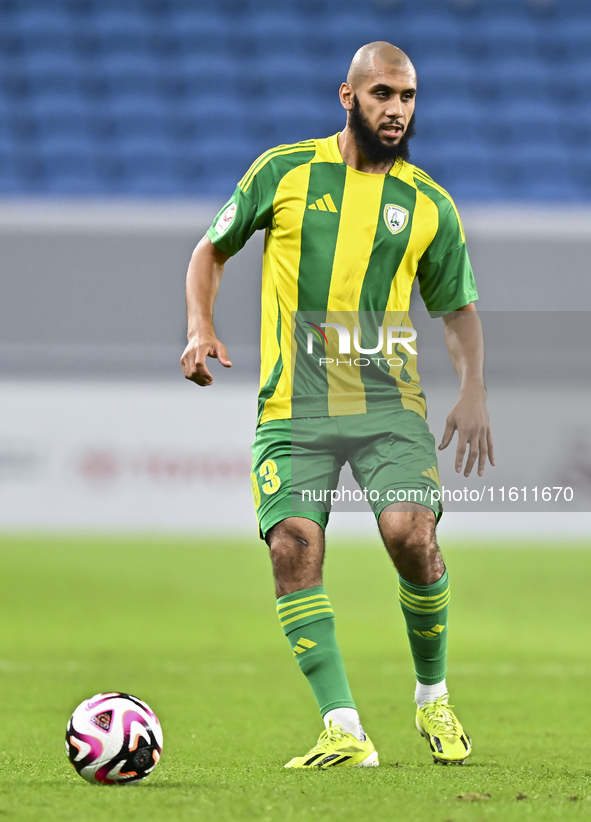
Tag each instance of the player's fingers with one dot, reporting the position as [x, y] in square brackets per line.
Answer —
[472, 456]
[450, 427]
[194, 366]
[482, 454]
[491, 452]
[460, 452]
[222, 355]
[201, 373]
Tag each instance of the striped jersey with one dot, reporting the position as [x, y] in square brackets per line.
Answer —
[342, 250]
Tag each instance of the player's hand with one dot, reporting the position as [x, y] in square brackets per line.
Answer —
[195, 356]
[470, 418]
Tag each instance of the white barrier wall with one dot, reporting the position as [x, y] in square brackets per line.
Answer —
[91, 296]
[148, 456]
[113, 455]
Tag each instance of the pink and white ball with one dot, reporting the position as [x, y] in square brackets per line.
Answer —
[114, 739]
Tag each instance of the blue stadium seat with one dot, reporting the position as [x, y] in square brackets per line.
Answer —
[10, 181]
[575, 33]
[443, 123]
[511, 37]
[276, 32]
[119, 30]
[68, 167]
[525, 122]
[511, 79]
[445, 79]
[8, 144]
[428, 36]
[542, 172]
[129, 74]
[210, 74]
[43, 30]
[198, 32]
[292, 119]
[52, 73]
[281, 75]
[59, 116]
[147, 166]
[576, 130]
[213, 116]
[137, 116]
[158, 96]
[466, 171]
[580, 177]
[489, 9]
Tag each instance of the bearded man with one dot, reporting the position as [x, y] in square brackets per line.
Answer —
[350, 224]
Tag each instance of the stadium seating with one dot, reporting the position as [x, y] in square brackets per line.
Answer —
[149, 97]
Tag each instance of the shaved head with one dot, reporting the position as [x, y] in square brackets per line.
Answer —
[370, 59]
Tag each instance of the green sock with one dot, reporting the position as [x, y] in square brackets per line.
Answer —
[425, 609]
[307, 620]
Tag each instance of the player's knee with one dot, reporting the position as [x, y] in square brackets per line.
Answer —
[294, 533]
[412, 544]
[409, 534]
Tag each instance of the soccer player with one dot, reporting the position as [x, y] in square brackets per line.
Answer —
[349, 225]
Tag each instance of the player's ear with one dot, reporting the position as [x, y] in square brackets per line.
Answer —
[347, 96]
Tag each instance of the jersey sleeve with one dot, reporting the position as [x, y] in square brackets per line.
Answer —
[242, 215]
[250, 208]
[445, 275]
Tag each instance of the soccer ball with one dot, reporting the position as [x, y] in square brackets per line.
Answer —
[113, 739]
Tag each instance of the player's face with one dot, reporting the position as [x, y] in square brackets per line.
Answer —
[387, 101]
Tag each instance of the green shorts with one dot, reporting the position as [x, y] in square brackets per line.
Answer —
[296, 464]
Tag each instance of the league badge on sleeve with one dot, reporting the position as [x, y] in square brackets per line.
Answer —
[396, 218]
[225, 221]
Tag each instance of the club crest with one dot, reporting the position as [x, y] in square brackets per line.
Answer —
[225, 220]
[396, 218]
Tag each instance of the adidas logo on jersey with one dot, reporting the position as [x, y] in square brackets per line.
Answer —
[324, 203]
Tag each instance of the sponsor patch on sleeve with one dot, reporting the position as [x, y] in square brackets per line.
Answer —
[225, 221]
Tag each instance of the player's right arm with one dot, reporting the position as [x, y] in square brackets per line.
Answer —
[248, 210]
[203, 281]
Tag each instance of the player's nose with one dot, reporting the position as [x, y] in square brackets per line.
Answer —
[394, 108]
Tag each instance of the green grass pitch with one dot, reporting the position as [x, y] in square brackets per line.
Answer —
[189, 626]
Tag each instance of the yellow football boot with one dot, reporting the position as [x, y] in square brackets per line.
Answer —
[335, 748]
[449, 743]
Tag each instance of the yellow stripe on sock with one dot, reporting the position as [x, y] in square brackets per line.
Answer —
[420, 598]
[426, 601]
[433, 610]
[307, 614]
[297, 601]
[302, 608]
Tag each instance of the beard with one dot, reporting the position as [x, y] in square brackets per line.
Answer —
[369, 143]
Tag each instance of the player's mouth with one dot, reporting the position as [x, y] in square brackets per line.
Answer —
[391, 130]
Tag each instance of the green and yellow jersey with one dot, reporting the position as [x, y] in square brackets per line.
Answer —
[342, 250]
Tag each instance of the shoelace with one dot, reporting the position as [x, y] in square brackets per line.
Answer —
[330, 734]
[441, 717]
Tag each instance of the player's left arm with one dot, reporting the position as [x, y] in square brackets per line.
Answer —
[465, 343]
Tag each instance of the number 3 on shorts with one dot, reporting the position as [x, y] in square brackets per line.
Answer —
[268, 470]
